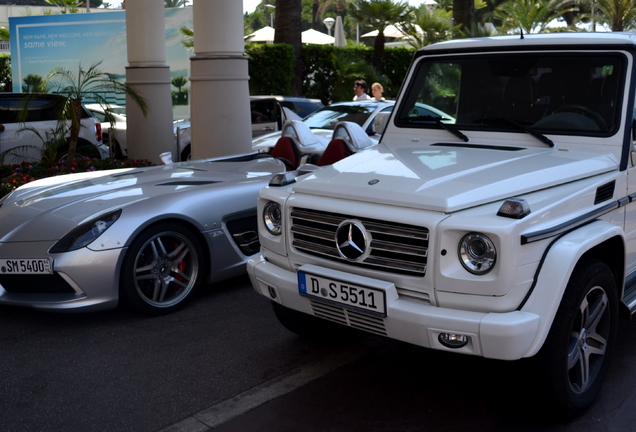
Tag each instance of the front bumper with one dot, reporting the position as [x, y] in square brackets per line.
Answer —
[505, 336]
[86, 280]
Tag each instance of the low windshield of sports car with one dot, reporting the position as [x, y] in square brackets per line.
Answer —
[85, 233]
[573, 93]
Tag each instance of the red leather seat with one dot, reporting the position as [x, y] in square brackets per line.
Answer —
[286, 150]
[335, 151]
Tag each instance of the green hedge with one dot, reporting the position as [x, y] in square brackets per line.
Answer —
[271, 68]
[329, 72]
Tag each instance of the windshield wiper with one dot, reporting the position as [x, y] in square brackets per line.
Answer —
[438, 121]
[538, 135]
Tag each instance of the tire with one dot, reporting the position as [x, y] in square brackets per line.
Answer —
[162, 269]
[309, 326]
[580, 344]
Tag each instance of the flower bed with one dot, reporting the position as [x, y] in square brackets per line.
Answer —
[13, 176]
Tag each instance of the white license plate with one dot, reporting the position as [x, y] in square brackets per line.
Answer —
[26, 266]
[345, 294]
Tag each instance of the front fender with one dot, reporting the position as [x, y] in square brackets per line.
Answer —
[555, 270]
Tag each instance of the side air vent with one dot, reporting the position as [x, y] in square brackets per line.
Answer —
[605, 192]
[244, 232]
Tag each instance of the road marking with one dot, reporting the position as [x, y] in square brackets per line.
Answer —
[227, 410]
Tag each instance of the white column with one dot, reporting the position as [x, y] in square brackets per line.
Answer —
[219, 96]
[149, 75]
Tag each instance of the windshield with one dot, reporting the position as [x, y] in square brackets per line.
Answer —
[556, 93]
[326, 118]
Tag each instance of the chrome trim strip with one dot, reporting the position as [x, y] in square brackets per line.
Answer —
[571, 224]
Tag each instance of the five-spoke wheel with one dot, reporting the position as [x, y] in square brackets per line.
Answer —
[161, 270]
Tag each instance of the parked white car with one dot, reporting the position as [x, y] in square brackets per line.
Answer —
[269, 113]
[23, 133]
[507, 232]
[113, 119]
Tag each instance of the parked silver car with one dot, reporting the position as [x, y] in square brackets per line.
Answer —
[145, 237]
[322, 122]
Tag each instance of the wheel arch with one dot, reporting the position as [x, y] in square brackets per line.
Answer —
[612, 253]
[599, 239]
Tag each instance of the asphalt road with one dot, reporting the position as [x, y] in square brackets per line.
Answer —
[117, 371]
[225, 364]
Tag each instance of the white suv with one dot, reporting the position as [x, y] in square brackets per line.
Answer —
[42, 116]
[504, 227]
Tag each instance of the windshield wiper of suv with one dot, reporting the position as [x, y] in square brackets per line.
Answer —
[538, 135]
[438, 121]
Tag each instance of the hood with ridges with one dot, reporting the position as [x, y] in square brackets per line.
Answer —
[448, 178]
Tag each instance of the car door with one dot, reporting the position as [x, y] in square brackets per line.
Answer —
[265, 116]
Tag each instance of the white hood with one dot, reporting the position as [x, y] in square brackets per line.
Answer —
[448, 178]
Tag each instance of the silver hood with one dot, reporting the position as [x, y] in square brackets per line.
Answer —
[48, 208]
[447, 178]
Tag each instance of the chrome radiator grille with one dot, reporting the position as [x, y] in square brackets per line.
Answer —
[392, 247]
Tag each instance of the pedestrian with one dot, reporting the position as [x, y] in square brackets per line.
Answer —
[360, 90]
[377, 90]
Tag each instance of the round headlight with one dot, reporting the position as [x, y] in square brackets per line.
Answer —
[273, 218]
[477, 253]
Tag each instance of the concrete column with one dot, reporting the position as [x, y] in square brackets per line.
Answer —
[219, 97]
[149, 75]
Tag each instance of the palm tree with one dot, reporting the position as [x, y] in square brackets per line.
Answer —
[379, 14]
[429, 27]
[175, 3]
[619, 15]
[530, 16]
[288, 17]
[91, 83]
[188, 38]
[67, 6]
[464, 13]
[179, 82]
[34, 84]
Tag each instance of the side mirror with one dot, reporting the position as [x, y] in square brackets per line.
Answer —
[380, 122]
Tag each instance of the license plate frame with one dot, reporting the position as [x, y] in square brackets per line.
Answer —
[26, 266]
[339, 293]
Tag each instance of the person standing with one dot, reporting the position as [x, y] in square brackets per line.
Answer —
[377, 90]
[360, 90]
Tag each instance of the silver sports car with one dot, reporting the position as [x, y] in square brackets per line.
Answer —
[145, 237]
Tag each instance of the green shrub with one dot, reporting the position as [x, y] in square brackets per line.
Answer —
[271, 68]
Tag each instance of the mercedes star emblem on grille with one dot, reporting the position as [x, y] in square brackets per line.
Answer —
[351, 240]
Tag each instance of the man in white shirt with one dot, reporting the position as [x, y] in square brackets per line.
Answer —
[360, 90]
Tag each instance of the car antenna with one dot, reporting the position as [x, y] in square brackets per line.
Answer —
[521, 33]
